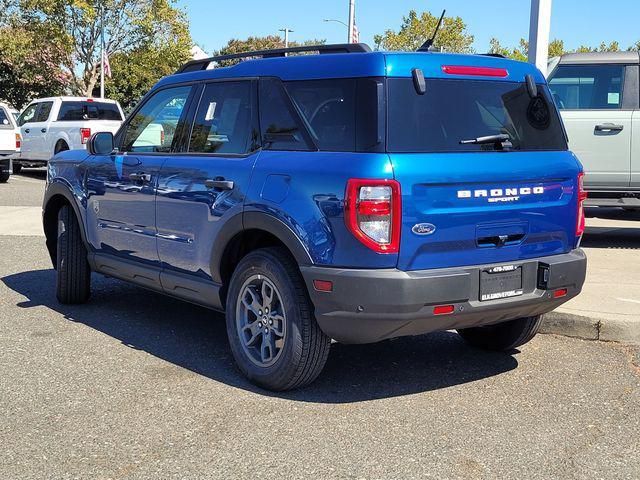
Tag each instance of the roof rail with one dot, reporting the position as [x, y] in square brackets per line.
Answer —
[196, 65]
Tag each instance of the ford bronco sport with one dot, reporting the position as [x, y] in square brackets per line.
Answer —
[348, 195]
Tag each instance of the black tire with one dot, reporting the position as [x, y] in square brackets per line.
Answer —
[73, 283]
[4, 177]
[503, 336]
[17, 168]
[61, 146]
[305, 347]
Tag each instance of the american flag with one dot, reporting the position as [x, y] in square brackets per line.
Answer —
[107, 65]
[355, 34]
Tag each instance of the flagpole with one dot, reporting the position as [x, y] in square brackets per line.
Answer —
[101, 52]
[352, 19]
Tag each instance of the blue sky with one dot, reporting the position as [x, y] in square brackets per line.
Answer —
[214, 22]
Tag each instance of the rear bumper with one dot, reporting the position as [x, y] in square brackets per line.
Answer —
[367, 306]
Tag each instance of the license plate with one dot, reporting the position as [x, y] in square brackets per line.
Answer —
[500, 282]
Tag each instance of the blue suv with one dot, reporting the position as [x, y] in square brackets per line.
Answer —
[347, 194]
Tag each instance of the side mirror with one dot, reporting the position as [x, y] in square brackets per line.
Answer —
[101, 143]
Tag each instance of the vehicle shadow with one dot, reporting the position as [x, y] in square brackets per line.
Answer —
[35, 173]
[615, 236]
[195, 338]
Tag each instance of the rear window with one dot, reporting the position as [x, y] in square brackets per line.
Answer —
[452, 111]
[80, 111]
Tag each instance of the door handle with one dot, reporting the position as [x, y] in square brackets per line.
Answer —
[44, 130]
[27, 130]
[219, 183]
[140, 177]
[609, 127]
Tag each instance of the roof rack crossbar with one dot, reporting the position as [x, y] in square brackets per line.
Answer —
[196, 65]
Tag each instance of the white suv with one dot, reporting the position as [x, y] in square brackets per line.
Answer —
[51, 125]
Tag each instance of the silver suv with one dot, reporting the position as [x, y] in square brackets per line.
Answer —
[598, 97]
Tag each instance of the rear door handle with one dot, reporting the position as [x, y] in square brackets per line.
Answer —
[219, 183]
[140, 177]
[609, 127]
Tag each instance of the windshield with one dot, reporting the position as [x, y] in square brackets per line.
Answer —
[455, 111]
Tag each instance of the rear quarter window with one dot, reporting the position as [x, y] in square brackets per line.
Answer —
[587, 87]
[452, 111]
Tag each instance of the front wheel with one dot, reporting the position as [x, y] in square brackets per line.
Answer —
[273, 334]
[73, 283]
[503, 336]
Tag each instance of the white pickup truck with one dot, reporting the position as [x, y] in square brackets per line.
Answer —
[51, 125]
[9, 140]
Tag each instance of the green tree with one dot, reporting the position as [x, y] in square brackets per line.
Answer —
[415, 30]
[258, 43]
[521, 52]
[30, 66]
[130, 25]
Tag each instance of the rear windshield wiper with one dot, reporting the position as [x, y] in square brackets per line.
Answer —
[499, 139]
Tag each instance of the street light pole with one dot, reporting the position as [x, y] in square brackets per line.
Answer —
[539, 30]
[352, 19]
[101, 52]
[286, 36]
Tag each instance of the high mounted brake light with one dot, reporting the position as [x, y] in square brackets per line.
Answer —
[85, 135]
[373, 213]
[582, 196]
[475, 71]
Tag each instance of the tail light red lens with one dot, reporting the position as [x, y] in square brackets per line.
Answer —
[373, 213]
[474, 71]
[443, 309]
[18, 141]
[582, 196]
[85, 135]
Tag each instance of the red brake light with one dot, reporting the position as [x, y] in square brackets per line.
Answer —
[90, 100]
[323, 285]
[85, 135]
[373, 213]
[562, 292]
[18, 141]
[582, 196]
[475, 71]
[443, 310]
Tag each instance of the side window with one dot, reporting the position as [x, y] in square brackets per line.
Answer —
[223, 123]
[329, 107]
[44, 111]
[587, 87]
[28, 115]
[153, 127]
[4, 119]
[279, 127]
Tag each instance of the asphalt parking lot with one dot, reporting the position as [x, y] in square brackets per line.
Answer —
[136, 385]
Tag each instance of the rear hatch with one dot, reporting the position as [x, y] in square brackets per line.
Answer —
[509, 197]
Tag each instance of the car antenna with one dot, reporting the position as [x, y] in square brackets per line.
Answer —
[429, 43]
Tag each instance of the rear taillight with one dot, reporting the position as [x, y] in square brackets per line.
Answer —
[373, 213]
[85, 135]
[162, 137]
[582, 196]
[18, 141]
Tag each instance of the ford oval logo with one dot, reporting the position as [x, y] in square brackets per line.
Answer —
[424, 229]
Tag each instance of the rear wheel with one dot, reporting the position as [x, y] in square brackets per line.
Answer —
[73, 283]
[4, 177]
[61, 146]
[17, 168]
[503, 336]
[273, 334]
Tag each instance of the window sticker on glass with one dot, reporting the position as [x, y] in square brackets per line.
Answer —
[211, 111]
[613, 98]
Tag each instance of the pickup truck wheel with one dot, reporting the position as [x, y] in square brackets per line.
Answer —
[73, 284]
[61, 146]
[503, 336]
[4, 177]
[17, 168]
[273, 334]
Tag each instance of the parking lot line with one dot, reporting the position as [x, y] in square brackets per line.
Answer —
[21, 221]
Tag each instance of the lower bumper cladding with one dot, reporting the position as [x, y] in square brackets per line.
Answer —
[365, 306]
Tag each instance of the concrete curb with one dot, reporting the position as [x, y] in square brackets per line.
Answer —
[592, 328]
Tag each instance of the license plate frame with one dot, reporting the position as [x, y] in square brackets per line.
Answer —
[504, 281]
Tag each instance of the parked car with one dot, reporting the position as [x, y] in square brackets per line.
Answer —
[9, 141]
[598, 98]
[351, 195]
[52, 125]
